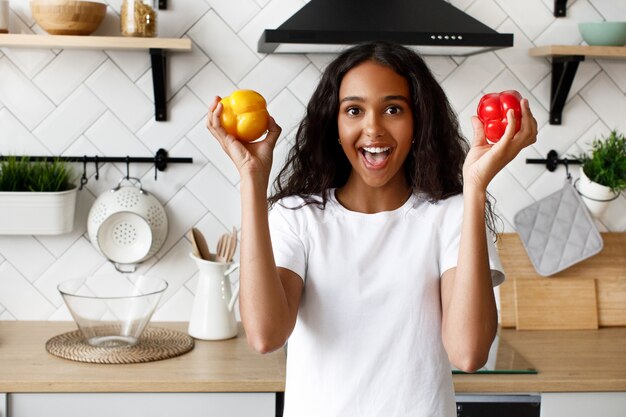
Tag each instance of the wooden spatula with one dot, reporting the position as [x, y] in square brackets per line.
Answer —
[203, 247]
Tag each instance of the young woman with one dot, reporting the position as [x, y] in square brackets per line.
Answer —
[374, 262]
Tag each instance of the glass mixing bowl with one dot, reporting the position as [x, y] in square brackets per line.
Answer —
[112, 310]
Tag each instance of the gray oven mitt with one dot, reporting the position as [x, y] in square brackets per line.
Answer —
[557, 231]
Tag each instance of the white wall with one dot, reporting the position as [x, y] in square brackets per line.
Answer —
[100, 102]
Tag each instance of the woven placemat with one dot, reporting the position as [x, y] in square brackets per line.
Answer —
[155, 344]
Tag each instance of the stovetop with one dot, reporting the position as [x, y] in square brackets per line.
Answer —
[503, 359]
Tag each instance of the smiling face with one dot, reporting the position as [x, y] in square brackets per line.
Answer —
[375, 124]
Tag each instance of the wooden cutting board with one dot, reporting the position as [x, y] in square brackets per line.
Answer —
[551, 304]
[608, 269]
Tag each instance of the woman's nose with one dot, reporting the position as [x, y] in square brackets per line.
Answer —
[373, 127]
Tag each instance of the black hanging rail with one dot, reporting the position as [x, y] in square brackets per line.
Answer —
[160, 159]
[553, 160]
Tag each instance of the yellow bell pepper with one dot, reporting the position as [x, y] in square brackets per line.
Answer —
[245, 115]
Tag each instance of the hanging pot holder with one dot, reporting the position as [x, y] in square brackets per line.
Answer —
[557, 231]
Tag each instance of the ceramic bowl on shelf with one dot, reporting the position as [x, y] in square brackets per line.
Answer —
[603, 33]
[67, 17]
[112, 310]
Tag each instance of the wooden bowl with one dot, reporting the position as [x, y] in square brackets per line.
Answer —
[65, 17]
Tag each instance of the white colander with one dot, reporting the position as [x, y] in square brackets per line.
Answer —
[127, 224]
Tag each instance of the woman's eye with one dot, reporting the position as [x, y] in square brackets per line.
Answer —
[393, 110]
[353, 111]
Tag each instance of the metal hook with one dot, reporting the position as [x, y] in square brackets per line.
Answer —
[83, 178]
[568, 175]
[127, 167]
[97, 168]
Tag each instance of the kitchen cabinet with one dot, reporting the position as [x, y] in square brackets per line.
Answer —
[583, 404]
[565, 60]
[216, 378]
[142, 404]
[156, 46]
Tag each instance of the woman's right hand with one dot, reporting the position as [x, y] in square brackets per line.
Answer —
[249, 158]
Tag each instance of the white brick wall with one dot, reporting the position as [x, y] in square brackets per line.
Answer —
[100, 102]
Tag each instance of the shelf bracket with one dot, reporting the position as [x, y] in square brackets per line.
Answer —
[560, 8]
[157, 56]
[563, 72]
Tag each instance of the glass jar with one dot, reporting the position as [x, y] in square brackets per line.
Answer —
[138, 18]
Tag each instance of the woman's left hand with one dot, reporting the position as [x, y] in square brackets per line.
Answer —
[484, 160]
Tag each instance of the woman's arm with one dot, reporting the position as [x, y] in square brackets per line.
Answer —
[268, 296]
[469, 315]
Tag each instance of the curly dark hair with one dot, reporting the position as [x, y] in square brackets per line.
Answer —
[434, 166]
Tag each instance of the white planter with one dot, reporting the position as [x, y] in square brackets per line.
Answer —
[37, 213]
[595, 196]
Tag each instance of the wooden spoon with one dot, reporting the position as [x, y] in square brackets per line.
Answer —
[194, 245]
[203, 247]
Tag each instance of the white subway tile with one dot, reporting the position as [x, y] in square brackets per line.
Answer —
[184, 111]
[26, 254]
[111, 136]
[305, 83]
[273, 15]
[211, 149]
[217, 194]
[274, 72]
[236, 13]
[223, 46]
[606, 99]
[132, 63]
[210, 82]
[179, 17]
[183, 211]
[20, 298]
[79, 261]
[486, 12]
[480, 69]
[176, 268]
[287, 111]
[16, 139]
[121, 96]
[531, 16]
[62, 76]
[69, 120]
[27, 103]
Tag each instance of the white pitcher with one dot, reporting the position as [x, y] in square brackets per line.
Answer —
[213, 315]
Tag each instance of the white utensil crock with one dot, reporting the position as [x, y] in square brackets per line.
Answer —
[213, 311]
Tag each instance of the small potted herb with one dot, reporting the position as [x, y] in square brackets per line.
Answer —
[36, 198]
[603, 172]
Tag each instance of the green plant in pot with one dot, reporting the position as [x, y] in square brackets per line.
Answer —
[603, 172]
[36, 198]
[19, 174]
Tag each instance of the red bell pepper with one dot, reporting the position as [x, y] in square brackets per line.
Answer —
[492, 110]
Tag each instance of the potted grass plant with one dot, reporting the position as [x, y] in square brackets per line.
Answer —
[36, 198]
[603, 172]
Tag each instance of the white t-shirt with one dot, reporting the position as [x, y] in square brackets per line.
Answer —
[367, 340]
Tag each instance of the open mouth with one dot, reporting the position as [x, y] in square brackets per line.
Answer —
[375, 157]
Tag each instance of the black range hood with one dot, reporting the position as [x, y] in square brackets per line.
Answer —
[432, 27]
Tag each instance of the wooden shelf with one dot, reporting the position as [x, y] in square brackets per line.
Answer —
[156, 47]
[93, 42]
[590, 51]
[565, 60]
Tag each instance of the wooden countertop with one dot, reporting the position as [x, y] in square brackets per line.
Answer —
[215, 366]
[569, 360]
[566, 360]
